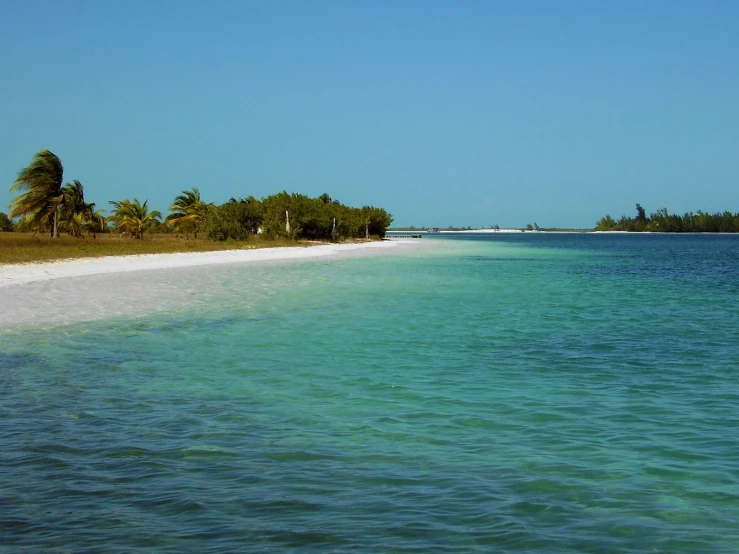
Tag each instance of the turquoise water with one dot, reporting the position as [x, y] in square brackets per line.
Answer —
[530, 393]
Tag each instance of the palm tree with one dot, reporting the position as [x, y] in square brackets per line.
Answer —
[72, 223]
[188, 208]
[133, 217]
[42, 183]
[74, 211]
[95, 222]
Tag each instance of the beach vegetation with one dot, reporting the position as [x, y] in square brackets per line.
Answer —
[295, 217]
[234, 220]
[95, 222]
[45, 206]
[189, 212]
[6, 224]
[662, 221]
[133, 218]
[40, 185]
[76, 215]
[24, 247]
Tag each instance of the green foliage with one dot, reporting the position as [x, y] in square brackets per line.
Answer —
[189, 212]
[295, 217]
[641, 215]
[46, 205]
[236, 219]
[76, 215]
[133, 218]
[606, 223]
[6, 224]
[39, 205]
[664, 222]
[379, 220]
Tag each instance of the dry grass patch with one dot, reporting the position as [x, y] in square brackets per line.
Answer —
[18, 248]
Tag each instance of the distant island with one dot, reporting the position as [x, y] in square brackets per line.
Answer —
[664, 222]
[660, 221]
[529, 228]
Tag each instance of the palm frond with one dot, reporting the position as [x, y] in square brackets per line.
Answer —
[41, 186]
[133, 217]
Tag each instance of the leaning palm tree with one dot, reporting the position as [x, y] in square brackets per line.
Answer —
[42, 183]
[188, 209]
[74, 211]
[95, 222]
[134, 217]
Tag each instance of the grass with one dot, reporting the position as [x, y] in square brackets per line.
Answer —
[18, 248]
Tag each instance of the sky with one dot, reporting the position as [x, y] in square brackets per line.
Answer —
[474, 113]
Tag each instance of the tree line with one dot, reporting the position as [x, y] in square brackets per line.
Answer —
[664, 222]
[46, 205]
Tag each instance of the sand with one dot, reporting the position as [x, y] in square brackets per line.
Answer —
[18, 274]
[61, 292]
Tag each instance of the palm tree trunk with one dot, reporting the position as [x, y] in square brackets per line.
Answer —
[55, 226]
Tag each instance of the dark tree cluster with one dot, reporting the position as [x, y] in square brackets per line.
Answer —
[6, 224]
[664, 222]
[294, 216]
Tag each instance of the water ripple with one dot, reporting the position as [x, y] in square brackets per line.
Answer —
[556, 404]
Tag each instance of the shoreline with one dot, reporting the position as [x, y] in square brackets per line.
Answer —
[13, 275]
[49, 294]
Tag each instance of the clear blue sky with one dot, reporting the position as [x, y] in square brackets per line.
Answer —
[444, 113]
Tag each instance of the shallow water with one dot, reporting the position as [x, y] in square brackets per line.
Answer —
[524, 393]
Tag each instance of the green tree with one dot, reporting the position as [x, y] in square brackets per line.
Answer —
[75, 214]
[134, 217]
[605, 224]
[294, 216]
[188, 210]
[641, 214]
[379, 220]
[6, 224]
[236, 219]
[277, 209]
[95, 223]
[39, 205]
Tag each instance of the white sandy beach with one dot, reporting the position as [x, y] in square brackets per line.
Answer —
[17, 274]
[93, 288]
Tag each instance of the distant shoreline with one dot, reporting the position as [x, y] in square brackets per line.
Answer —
[558, 231]
[485, 231]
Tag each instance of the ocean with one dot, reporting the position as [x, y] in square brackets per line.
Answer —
[538, 393]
